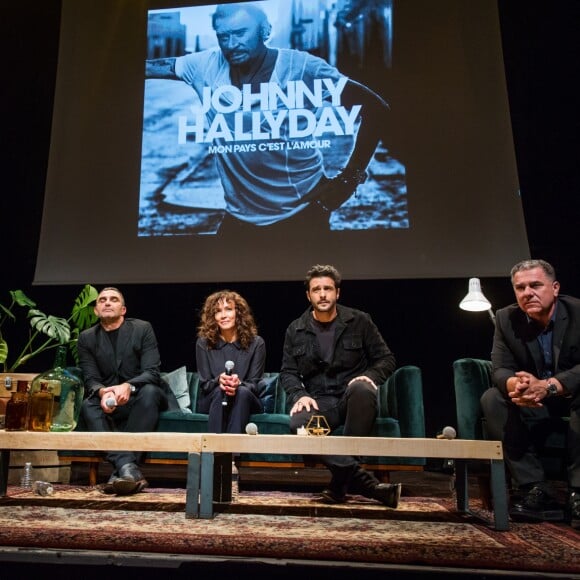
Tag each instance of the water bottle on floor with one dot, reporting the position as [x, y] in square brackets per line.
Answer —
[27, 476]
[235, 482]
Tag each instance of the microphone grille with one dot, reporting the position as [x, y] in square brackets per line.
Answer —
[251, 429]
[449, 433]
[230, 365]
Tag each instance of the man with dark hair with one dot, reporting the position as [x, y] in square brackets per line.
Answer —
[263, 103]
[536, 375]
[334, 360]
[120, 363]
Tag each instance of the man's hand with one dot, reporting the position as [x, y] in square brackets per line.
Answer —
[332, 194]
[526, 390]
[303, 404]
[120, 393]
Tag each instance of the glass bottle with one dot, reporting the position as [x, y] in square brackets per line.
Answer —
[40, 409]
[17, 408]
[67, 389]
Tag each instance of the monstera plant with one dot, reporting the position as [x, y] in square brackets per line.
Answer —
[45, 331]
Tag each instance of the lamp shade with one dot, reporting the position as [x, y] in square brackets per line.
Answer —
[475, 301]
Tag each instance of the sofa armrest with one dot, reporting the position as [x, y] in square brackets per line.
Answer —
[401, 397]
[193, 382]
[471, 378]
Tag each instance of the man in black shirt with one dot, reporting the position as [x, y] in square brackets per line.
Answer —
[334, 360]
[120, 363]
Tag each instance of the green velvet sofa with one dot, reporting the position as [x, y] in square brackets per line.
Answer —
[401, 414]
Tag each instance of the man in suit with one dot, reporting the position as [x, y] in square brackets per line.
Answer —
[536, 375]
[120, 363]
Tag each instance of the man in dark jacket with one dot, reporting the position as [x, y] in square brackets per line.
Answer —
[120, 363]
[334, 360]
[536, 373]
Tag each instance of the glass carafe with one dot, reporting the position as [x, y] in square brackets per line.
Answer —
[67, 389]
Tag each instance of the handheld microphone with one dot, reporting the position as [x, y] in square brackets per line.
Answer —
[251, 429]
[229, 370]
[447, 433]
[111, 402]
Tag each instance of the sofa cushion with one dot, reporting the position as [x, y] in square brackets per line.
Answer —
[179, 385]
[267, 392]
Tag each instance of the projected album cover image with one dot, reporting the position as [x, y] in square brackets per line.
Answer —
[262, 112]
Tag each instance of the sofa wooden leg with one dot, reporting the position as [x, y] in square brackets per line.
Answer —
[93, 472]
[383, 476]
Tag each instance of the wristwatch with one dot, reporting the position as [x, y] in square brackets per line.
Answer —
[133, 388]
[551, 390]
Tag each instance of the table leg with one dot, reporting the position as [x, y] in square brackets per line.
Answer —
[4, 467]
[206, 487]
[192, 486]
[461, 485]
[222, 477]
[499, 495]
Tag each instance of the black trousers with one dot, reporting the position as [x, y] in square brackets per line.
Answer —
[139, 415]
[520, 427]
[233, 417]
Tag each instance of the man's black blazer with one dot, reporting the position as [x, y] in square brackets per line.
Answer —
[135, 361]
[516, 348]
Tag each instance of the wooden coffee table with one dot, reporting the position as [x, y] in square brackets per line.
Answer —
[217, 450]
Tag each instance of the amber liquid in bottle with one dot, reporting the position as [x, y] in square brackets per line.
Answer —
[17, 408]
[40, 414]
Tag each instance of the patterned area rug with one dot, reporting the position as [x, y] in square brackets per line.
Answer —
[285, 525]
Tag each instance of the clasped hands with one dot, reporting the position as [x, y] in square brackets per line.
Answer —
[229, 384]
[526, 390]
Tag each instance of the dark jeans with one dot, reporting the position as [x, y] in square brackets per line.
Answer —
[357, 410]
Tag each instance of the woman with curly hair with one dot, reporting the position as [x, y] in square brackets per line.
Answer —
[228, 334]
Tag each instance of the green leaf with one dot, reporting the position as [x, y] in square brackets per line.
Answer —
[53, 326]
[3, 351]
[83, 314]
[21, 299]
[74, 345]
[7, 312]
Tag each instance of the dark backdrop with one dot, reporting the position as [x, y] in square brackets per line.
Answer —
[420, 319]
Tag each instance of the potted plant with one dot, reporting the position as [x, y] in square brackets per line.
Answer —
[45, 331]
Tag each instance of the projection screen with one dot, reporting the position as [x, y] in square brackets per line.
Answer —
[198, 142]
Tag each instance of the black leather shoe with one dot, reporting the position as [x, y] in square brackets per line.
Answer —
[108, 487]
[574, 509]
[537, 505]
[331, 497]
[130, 480]
[387, 493]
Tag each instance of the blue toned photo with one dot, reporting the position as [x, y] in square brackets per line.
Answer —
[269, 116]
